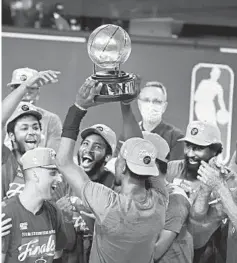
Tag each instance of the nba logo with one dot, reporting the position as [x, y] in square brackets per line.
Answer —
[212, 89]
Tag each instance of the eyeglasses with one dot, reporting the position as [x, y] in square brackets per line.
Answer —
[155, 102]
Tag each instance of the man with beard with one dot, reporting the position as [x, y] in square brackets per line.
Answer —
[152, 103]
[97, 147]
[24, 130]
[221, 185]
[125, 222]
[50, 122]
[202, 143]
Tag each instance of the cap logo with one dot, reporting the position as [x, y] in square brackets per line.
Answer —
[99, 128]
[194, 131]
[144, 153]
[147, 159]
[23, 77]
[25, 107]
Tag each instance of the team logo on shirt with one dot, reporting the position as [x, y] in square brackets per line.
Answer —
[14, 189]
[24, 226]
[38, 247]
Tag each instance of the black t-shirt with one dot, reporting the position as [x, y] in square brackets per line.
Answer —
[33, 236]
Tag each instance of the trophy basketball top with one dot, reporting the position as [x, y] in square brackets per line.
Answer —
[108, 47]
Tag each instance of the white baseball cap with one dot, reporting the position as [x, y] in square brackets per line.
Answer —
[105, 132]
[140, 156]
[39, 157]
[25, 108]
[21, 75]
[160, 144]
[202, 133]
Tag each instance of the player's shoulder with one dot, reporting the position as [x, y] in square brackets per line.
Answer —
[10, 205]
[176, 132]
[6, 154]
[178, 195]
[160, 199]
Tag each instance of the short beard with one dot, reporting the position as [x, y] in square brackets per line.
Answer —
[96, 169]
[192, 170]
[17, 147]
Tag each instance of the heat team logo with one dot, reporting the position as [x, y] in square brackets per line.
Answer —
[212, 88]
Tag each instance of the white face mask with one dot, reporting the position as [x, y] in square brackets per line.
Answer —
[150, 113]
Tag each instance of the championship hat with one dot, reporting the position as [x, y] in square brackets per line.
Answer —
[21, 75]
[25, 108]
[202, 133]
[160, 144]
[140, 156]
[104, 131]
[39, 157]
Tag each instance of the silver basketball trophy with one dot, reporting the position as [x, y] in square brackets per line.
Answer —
[108, 47]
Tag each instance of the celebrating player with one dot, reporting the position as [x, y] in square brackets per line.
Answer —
[50, 122]
[38, 232]
[125, 222]
[24, 130]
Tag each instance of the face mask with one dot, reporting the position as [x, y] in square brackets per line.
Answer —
[150, 112]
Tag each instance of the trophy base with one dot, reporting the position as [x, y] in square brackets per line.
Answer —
[117, 86]
[113, 98]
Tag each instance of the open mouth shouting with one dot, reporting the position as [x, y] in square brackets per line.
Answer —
[31, 143]
[87, 162]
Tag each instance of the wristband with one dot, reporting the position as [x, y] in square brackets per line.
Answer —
[72, 122]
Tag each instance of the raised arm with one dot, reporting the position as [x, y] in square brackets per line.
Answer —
[10, 103]
[130, 125]
[73, 173]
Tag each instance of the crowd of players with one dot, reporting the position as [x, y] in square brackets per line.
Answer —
[153, 195]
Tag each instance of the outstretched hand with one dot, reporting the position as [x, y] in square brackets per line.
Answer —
[42, 78]
[87, 92]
